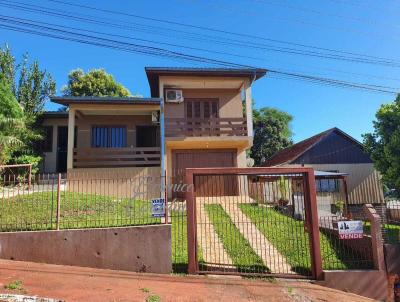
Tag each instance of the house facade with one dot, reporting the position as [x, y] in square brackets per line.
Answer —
[335, 151]
[209, 125]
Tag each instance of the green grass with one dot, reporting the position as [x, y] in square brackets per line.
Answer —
[15, 285]
[38, 211]
[179, 242]
[290, 239]
[237, 247]
[391, 232]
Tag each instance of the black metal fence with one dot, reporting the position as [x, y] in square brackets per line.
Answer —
[52, 201]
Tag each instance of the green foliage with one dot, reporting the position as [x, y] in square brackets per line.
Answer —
[96, 82]
[271, 133]
[28, 159]
[12, 124]
[383, 145]
[24, 89]
[30, 85]
[15, 285]
[339, 205]
[34, 87]
[284, 117]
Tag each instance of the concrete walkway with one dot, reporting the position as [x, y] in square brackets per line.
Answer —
[271, 257]
[213, 251]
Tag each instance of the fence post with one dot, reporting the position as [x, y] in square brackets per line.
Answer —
[313, 223]
[191, 224]
[376, 237]
[58, 201]
[30, 177]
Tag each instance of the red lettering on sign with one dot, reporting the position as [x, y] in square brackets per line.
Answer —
[351, 236]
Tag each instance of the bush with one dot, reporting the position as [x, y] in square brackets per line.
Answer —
[28, 159]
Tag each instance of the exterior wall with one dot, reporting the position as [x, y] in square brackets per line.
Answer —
[84, 126]
[138, 249]
[49, 164]
[230, 102]
[241, 159]
[372, 284]
[363, 181]
[129, 182]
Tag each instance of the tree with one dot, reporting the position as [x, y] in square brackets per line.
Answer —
[272, 133]
[383, 145]
[30, 85]
[96, 82]
[12, 123]
[24, 91]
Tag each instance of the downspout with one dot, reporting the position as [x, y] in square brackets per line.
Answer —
[162, 149]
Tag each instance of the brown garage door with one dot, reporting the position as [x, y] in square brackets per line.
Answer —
[206, 186]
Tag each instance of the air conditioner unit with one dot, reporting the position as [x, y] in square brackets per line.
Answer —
[173, 96]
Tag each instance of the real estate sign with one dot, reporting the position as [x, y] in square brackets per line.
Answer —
[351, 229]
[158, 207]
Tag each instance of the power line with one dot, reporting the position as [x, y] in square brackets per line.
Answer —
[52, 32]
[258, 46]
[211, 29]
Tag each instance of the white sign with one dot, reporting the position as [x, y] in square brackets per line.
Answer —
[351, 229]
[158, 207]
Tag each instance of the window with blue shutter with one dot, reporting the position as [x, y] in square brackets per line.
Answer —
[108, 136]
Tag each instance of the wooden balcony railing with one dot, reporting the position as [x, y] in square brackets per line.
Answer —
[181, 127]
[116, 157]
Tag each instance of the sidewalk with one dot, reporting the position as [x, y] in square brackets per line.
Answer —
[85, 284]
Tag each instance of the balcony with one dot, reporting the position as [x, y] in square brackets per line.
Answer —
[116, 157]
[199, 127]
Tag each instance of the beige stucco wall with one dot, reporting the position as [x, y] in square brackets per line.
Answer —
[230, 102]
[49, 164]
[84, 126]
[127, 182]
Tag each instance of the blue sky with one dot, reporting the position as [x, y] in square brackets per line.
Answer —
[367, 27]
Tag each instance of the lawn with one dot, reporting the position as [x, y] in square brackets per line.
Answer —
[391, 233]
[290, 239]
[236, 246]
[179, 241]
[38, 211]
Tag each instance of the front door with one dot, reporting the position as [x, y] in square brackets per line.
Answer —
[62, 149]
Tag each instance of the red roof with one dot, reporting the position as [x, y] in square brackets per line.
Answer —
[289, 154]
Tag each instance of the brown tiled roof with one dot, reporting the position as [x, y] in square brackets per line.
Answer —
[289, 154]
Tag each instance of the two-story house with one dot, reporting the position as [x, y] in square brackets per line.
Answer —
[206, 115]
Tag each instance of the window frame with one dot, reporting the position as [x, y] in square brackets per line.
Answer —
[109, 136]
[192, 103]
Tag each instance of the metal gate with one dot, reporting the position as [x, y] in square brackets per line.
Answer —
[270, 227]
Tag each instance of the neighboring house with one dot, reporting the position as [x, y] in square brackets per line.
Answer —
[335, 151]
[210, 126]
